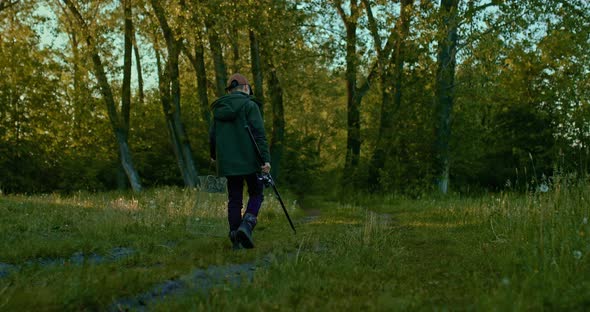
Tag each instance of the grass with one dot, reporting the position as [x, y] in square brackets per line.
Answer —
[495, 252]
[171, 231]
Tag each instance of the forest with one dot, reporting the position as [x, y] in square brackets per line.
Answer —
[397, 97]
[433, 155]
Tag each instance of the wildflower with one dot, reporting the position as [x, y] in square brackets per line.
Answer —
[543, 188]
[585, 220]
[505, 281]
[577, 254]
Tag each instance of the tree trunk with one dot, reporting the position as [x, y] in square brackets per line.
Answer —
[121, 176]
[138, 68]
[235, 45]
[170, 94]
[201, 73]
[218, 63]
[127, 161]
[125, 92]
[198, 62]
[164, 88]
[278, 122]
[128, 50]
[445, 79]
[117, 124]
[7, 4]
[389, 103]
[256, 69]
[77, 98]
[78, 106]
[181, 136]
[353, 100]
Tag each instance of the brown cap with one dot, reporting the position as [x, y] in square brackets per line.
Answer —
[241, 80]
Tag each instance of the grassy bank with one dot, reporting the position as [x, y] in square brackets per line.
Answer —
[495, 252]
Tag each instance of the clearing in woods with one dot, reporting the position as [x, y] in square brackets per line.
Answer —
[167, 249]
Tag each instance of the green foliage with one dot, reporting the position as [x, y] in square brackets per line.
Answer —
[301, 164]
[520, 94]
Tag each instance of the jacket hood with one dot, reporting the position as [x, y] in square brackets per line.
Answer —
[227, 107]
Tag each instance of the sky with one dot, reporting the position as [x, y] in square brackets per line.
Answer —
[53, 39]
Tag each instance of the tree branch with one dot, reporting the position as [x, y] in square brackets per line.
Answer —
[340, 10]
[487, 31]
[167, 31]
[188, 54]
[77, 15]
[373, 27]
[367, 84]
[580, 13]
[99, 71]
[7, 4]
[382, 55]
[474, 10]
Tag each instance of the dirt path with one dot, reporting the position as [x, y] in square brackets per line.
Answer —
[198, 281]
[202, 280]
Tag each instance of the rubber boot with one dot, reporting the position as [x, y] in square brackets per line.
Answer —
[244, 232]
[234, 240]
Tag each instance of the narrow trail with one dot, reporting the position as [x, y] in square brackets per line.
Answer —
[198, 281]
[431, 263]
[201, 281]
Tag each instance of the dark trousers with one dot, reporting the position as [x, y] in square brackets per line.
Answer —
[235, 189]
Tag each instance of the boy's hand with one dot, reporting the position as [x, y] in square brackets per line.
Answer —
[266, 167]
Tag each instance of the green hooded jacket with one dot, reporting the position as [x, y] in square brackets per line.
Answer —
[229, 141]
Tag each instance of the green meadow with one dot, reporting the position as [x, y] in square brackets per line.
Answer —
[495, 252]
[433, 155]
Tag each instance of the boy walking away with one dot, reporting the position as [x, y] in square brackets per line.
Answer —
[233, 151]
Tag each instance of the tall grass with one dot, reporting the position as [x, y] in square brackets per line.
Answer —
[501, 251]
[166, 232]
[53, 225]
[546, 242]
[497, 252]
